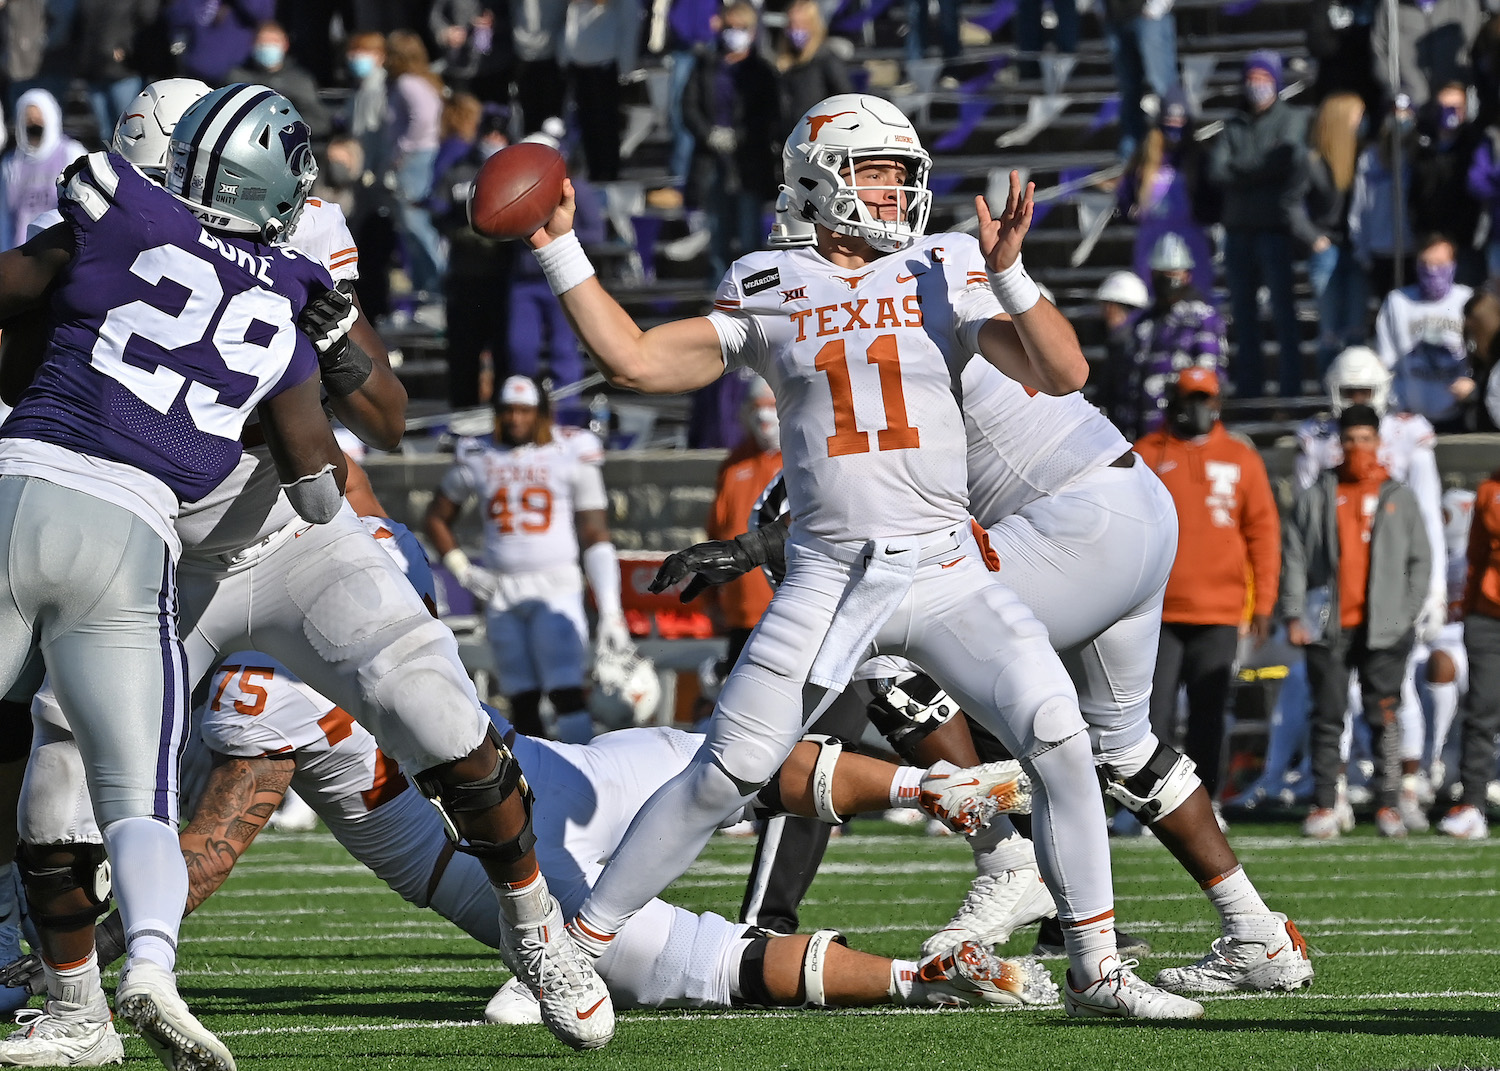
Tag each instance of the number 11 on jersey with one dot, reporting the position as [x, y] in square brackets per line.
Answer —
[898, 434]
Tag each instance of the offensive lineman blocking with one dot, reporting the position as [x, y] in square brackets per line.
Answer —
[863, 340]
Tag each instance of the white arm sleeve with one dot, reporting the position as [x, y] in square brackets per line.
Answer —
[975, 304]
[1427, 485]
[588, 489]
[601, 564]
[1385, 340]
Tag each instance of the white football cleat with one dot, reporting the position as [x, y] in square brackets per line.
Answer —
[1409, 805]
[1265, 954]
[147, 999]
[972, 974]
[574, 1001]
[994, 908]
[965, 800]
[63, 1035]
[1465, 823]
[1119, 993]
[513, 1005]
[1322, 823]
[1388, 823]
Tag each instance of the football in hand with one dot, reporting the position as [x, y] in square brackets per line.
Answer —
[517, 190]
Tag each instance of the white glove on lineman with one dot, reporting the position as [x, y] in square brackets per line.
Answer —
[613, 634]
[1433, 617]
[478, 581]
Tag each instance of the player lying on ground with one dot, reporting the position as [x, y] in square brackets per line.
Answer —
[266, 731]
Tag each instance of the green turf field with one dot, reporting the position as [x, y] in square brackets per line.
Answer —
[305, 961]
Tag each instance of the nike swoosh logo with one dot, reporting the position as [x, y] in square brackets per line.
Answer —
[1273, 955]
[908, 278]
[955, 561]
[893, 550]
[591, 1011]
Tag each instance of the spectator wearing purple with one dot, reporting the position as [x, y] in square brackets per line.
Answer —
[1484, 187]
[1142, 38]
[1338, 280]
[105, 36]
[415, 101]
[28, 173]
[1179, 330]
[598, 47]
[1259, 164]
[542, 343]
[1160, 188]
[1439, 199]
[212, 37]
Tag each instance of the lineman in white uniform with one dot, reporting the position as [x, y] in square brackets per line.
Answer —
[863, 341]
[542, 500]
[1406, 452]
[328, 603]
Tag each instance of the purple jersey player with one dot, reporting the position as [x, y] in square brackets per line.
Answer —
[162, 338]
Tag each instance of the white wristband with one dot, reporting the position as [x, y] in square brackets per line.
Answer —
[1014, 289]
[457, 563]
[564, 263]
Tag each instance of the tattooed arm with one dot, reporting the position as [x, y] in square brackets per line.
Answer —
[237, 802]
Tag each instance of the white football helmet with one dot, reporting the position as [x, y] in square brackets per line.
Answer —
[1359, 368]
[788, 231]
[1123, 288]
[835, 135]
[144, 133]
[625, 690]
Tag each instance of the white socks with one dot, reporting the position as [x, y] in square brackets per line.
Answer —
[906, 785]
[903, 974]
[998, 848]
[74, 983]
[525, 903]
[1090, 943]
[1444, 707]
[1233, 895]
[151, 885]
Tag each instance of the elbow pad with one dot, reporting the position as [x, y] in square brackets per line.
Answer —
[316, 498]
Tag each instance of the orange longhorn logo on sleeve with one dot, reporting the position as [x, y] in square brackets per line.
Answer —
[816, 123]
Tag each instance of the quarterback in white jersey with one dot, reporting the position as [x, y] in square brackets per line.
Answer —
[541, 492]
[328, 603]
[863, 340]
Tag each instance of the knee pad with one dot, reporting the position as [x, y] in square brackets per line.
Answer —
[906, 712]
[86, 868]
[454, 798]
[1161, 786]
[813, 962]
[752, 983]
[567, 700]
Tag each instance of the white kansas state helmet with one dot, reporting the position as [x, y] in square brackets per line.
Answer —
[144, 133]
[241, 159]
[1359, 368]
[835, 135]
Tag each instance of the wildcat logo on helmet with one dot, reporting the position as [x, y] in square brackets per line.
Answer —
[296, 142]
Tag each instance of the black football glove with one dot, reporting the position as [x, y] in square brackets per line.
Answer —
[721, 560]
[326, 321]
[25, 972]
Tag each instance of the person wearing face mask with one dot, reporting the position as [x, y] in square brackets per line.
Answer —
[1433, 39]
[810, 70]
[1163, 187]
[1228, 554]
[732, 108]
[271, 66]
[1179, 330]
[1357, 564]
[1260, 164]
[1375, 225]
[1438, 198]
[28, 173]
[367, 118]
[1419, 335]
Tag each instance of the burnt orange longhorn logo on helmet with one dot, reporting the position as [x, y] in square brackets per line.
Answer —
[816, 123]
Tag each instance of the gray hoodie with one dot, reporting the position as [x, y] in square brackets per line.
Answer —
[1260, 164]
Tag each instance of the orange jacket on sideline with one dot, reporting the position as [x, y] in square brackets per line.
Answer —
[743, 476]
[1229, 534]
[1482, 595]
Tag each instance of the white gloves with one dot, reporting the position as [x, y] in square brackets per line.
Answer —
[478, 581]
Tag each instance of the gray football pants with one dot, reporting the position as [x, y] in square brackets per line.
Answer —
[89, 590]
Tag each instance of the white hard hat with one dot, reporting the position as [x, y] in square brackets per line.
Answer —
[1123, 288]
